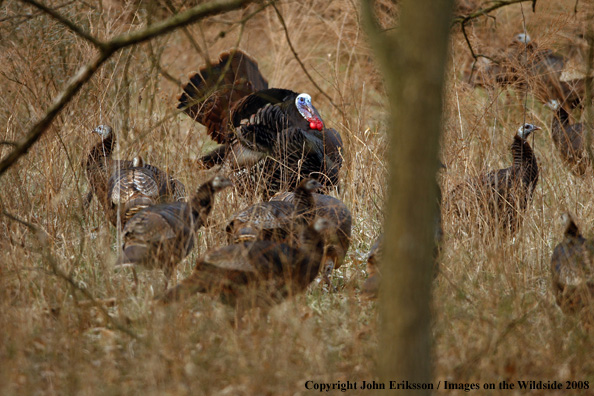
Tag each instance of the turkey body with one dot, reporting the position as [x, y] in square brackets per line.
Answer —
[257, 273]
[126, 187]
[280, 221]
[501, 196]
[271, 138]
[572, 270]
[337, 239]
[160, 236]
[523, 64]
[569, 141]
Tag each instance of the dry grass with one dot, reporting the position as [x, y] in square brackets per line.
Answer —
[495, 316]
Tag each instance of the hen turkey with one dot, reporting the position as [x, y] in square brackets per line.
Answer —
[572, 270]
[276, 220]
[569, 139]
[270, 137]
[258, 273]
[126, 186]
[524, 64]
[337, 238]
[500, 196]
[162, 235]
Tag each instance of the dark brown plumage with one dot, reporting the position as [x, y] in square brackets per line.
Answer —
[162, 235]
[572, 270]
[276, 220]
[500, 196]
[258, 273]
[569, 140]
[271, 137]
[337, 238]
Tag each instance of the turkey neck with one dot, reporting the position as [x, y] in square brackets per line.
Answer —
[304, 204]
[201, 204]
[524, 160]
[560, 122]
[572, 231]
[101, 152]
[312, 244]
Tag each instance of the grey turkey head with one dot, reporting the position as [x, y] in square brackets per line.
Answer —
[102, 130]
[307, 111]
[525, 130]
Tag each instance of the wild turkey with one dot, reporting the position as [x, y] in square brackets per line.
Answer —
[160, 236]
[270, 132]
[258, 273]
[572, 270]
[500, 196]
[276, 220]
[125, 184]
[370, 288]
[523, 64]
[99, 166]
[569, 140]
[337, 238]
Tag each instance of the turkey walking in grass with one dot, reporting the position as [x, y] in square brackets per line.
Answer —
[256, 274]
[160, 236]
[500, 197]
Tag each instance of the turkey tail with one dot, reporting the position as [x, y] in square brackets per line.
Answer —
[213, 90]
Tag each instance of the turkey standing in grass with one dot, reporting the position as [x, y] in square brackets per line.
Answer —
[502, 195]
[264, 132]
[524, 64]
[258, 273]
[569, 140]
[160, 236]
[337, 238]
[275, 220]
[572, 270]
[129, 185]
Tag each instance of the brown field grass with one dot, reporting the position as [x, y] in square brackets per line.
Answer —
[495, 314]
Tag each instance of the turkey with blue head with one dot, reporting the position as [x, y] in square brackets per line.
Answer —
[270, 138]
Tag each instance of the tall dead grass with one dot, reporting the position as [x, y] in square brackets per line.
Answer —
[495, 316]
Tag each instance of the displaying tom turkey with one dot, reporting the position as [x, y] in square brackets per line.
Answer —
[162, 235]
[523, 64]
[500, 196]
[126, 186]
[337, 238]
[270, 137]
[257, 273]
[569, 139]
[572, 270]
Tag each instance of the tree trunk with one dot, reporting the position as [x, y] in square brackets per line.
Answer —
[413, 59]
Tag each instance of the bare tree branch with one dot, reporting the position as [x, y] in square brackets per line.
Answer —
[106, 50]
[463, 19]
[67, 22]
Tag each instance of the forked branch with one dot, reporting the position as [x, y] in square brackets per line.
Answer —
[106, 50]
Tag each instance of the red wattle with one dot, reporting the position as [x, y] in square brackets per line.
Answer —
[312, 125]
